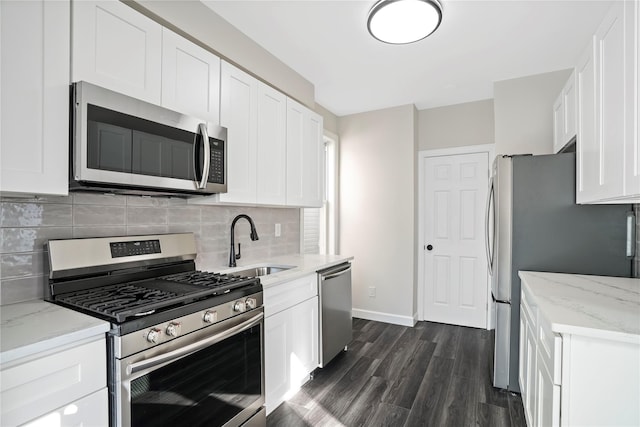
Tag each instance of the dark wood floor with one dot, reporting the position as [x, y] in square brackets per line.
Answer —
[429, 375]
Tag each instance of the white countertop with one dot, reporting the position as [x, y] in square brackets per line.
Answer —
[595, 306]
[33, 327]
[303, 264]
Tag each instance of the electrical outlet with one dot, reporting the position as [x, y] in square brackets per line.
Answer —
[372, 291]
[278, 230]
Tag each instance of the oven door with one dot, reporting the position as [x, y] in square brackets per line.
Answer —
[211, 377]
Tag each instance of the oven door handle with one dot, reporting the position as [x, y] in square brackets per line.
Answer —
[192, 348]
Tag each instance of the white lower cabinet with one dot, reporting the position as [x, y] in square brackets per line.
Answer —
[57, 383]
[291, 337]
[88, 411]
[574, 380]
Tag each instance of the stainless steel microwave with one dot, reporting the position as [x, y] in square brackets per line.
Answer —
[124, 145]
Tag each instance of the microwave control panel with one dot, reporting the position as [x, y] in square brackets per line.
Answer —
[216, 168]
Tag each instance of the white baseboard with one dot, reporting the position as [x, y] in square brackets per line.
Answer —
[384, 317]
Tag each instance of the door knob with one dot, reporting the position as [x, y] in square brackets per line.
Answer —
[429, 247]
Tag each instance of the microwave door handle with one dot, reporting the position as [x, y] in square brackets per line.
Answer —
[202, 129]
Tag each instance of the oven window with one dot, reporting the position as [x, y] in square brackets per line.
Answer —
[209, 387]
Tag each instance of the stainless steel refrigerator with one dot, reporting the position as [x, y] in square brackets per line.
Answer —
[533, 223]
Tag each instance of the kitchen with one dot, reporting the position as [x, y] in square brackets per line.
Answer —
[517, 119]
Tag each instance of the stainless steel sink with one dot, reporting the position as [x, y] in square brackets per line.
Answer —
[263, 270]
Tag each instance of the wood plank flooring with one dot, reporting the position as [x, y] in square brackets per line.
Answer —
[429, 375]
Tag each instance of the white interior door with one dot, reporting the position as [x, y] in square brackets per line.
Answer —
[455, 267]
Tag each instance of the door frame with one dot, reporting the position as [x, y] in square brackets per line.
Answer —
[422, 155]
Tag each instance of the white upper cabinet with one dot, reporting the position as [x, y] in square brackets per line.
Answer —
[190, 78]
[34, 88]
[272, 146]
[608, 111]
[118, 48]
[305, 156]
[239, 114]
[564, 115]
[632, 125]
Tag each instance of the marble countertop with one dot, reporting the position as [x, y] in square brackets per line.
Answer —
[595, 306]
[303, 264]
[32, 327]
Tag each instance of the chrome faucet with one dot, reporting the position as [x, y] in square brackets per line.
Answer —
[254, 236]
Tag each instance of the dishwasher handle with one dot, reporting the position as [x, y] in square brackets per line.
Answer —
[331, 274]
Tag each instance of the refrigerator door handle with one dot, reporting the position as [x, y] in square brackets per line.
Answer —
[490, 197]
[499, 301]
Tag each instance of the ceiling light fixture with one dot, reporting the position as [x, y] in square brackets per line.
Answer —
[403, 21]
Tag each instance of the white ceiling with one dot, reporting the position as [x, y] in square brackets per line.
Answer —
[479, 42]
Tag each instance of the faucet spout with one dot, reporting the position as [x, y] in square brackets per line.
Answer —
[233, 256]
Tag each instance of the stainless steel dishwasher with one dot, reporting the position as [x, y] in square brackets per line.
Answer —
[335, 311]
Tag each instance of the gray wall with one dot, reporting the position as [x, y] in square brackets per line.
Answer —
[471, 123]
[377, 180]
[26, 224]
[523, 112]
[197, 22]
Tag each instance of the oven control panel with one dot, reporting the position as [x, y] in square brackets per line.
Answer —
[133, 248]
[134, 342]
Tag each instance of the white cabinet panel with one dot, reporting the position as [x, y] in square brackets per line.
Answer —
[277, 345]
[608, 159]
[291, 337]
[238, 113]
[305, 156]
[547, 398]
[190, 78]
[90, 411]
[564, 114]
[34, 88]
[558, 121]
[118, 48]
[45, 384]
[271, 146]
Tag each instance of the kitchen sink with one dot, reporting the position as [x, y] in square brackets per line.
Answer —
[263, 270]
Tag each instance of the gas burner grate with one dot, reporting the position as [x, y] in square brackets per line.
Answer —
[220, 283]
[120, 301]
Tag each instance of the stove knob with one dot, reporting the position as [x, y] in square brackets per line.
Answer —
[239, 306]
[173, 329]
[153, 335]
[210, 316]
[251, 303]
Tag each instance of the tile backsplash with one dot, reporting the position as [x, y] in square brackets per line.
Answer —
[25, 224]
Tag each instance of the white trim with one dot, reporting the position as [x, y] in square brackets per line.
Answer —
[422, 155]
[384, 317]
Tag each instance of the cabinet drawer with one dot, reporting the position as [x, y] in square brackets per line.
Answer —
[92, 410]
[42, 385]
[287, 294]
[550, 348]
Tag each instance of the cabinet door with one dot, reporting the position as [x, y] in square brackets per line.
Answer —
[276, 358]
[305, 156]
[610, 103]
[238, 113]
[632, 103]
[92, 410]
[587, 149]
[118, 48]
[190, 78]
[530, 379]
[34, 83]
[272, 155]
[558, 124]
[522, 359]
[304, 351]
[569, 104]
[547, 398]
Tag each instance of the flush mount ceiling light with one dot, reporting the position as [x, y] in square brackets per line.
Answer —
[403, 21]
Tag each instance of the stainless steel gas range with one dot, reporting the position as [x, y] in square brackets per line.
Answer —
[185, 347]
